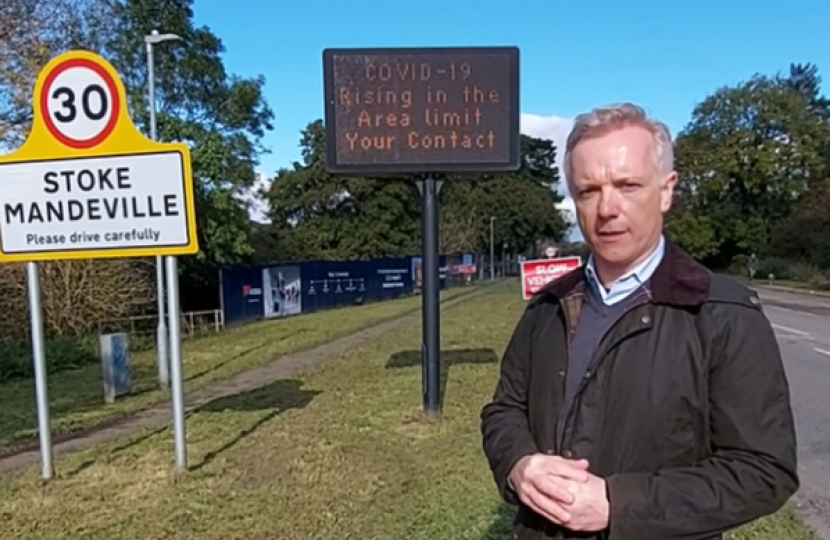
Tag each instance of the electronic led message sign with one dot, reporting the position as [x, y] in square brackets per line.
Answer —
[422, 110]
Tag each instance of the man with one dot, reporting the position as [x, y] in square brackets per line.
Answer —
[752, 266]
[641, 397]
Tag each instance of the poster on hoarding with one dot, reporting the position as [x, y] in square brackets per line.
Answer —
[418, 277]
[282, 291]
[536, 274]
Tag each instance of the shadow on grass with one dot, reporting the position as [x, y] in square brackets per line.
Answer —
[229, 360]
[272, 399]
[71, 393]
[502, 523]
[132, 442]
[449, 358]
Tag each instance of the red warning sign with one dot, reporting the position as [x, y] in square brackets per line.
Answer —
[537, 274]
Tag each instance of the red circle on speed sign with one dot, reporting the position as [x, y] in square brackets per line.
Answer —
[80, 103]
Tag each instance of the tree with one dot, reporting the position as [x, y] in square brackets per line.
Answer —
[315, 215]
[542, 220]
[747, 156]
[523, 203]
[804, 80]
[805, 234]
[693, 231]
[75, 294]
[340, 218]
[31, 32]
[222, 117]
[24, 49]
[461, 212]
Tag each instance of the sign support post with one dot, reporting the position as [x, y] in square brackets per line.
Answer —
[426, 113]
[177, 377]
[87, 184]
[429, 187]
[44, 427]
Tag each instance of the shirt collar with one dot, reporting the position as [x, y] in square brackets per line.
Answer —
[631, 280]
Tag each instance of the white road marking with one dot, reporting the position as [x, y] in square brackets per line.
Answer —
[821, 351]
[790, 330]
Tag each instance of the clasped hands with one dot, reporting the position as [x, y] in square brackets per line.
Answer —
[563, 491]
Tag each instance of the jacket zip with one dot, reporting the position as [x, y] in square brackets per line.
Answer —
[557, 437]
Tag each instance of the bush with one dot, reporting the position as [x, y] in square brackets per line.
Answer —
[75, 295]
[809, 274]
[62, 354]
[784, 270]
[776, 266]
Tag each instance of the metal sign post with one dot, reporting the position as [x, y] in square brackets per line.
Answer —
[44, 428]
[177, 377]
[430, 299]
[87, 184]
[423, 113]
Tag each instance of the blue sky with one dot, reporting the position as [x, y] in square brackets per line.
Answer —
[666, 56]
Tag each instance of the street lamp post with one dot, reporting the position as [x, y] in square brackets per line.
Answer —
[172, 372]
[492, 251]
[161, 330]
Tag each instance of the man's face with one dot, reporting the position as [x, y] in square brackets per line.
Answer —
[619, 198]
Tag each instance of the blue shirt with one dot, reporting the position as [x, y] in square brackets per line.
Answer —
[628, 282]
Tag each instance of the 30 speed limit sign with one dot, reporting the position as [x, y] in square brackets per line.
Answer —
[87, 184]
[80, 103]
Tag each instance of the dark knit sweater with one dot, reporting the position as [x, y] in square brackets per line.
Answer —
[595, 319]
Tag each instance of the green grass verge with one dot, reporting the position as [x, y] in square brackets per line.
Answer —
[77, 399]
[340, 451]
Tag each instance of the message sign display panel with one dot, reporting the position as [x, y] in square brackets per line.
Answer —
[422, 110]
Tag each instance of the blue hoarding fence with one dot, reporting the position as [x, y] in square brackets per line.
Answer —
[288, 289]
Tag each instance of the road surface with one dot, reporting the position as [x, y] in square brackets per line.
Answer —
[802, 324]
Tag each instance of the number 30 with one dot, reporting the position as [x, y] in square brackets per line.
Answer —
[71, 111]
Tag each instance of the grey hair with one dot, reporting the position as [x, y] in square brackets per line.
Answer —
[609, 118]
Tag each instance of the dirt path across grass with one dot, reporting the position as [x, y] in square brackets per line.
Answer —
[159, 415]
